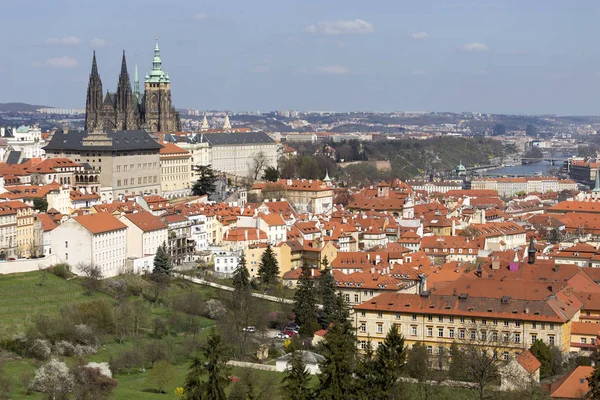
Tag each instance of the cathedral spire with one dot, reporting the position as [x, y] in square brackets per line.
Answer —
[136, 83]
[227, 124]
[94, 72]
[123, 64]
[204, 126]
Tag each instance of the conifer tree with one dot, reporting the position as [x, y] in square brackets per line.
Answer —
[305, 307]
[216, 368]
[327, 292]
[367, 375]
[336, 381]
[391, 356]
[241, 276]
[206, 180]
[268, 270]
[192, 388]
[295, 385]
[162, 261]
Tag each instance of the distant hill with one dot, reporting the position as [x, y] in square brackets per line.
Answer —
[19, 107]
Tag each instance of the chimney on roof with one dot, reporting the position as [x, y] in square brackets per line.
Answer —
[531, 252]
[245, 234]
[257, 235]
[479, 272]
[372, 270]
[453, 227]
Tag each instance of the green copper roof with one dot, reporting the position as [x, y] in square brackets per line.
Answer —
[157, 75]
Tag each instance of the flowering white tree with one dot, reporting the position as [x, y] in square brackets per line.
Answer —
[53, 378]
[102, 367]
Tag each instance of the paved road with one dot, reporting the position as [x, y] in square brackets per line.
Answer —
[230, 289]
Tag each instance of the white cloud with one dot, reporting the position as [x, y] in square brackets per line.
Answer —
[200, 16]
[420, 35]
[96, 43]
[358, 26]
[332, 69]
[57, 62]
[475, 46]
[67, 40]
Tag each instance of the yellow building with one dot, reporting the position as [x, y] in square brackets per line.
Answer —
[175, 171]
[437, 321]
[282, 252]
[26, 235]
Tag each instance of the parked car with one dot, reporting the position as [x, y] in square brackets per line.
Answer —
[290, 333]
[282, 335]
[249, 329]
[293, 327]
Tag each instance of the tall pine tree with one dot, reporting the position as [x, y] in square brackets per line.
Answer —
[336, 381]
[327, 292]
[192, 388]
[206, 180]
[241, 276]
[295, 385]
[305, 307]
[391, 356]
[216, 368]
[162, 261]
[268, 270]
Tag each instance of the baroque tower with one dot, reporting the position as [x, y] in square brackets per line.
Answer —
[159, 112]
[93, 102]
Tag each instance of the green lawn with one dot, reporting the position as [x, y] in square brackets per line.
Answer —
[22, 297]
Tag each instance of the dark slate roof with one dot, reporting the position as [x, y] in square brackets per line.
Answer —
[220, 139]
[121, 140]
[13, 157]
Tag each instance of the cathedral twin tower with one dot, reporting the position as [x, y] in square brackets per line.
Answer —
[128, 109]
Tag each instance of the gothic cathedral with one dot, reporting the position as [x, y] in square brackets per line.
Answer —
[127, 109]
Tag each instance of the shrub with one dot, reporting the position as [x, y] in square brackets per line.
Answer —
[40, 349]
[64, 348]
[215, 309]
[62, 270]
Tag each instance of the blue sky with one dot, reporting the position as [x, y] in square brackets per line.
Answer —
[487, 56]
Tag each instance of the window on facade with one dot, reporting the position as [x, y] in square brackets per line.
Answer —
[533, 338]
[534, 325]
[356, 298]
[441, 318]
[66, 245]
[451, 333]
[462, 320]
[551, 340]
[413, 330]
[379, 314]
[505, 356]
[473, 335]
[495, 322]
[495, 336]
[429, 331]
[451, 319]
[517, 338]
[517, 323]
[363, 313]
[363, 327]
[363, 344]
[461, 333]
[583, 340]
[430, 318]
[505, 323]
[347, 298]
[414, 317]
[379, 328]
[551, 326]
[440, 332]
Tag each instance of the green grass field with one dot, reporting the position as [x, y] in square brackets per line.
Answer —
[22, 297]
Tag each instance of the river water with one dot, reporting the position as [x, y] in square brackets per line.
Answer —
[538, 168]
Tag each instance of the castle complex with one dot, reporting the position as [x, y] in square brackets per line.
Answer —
[128, 109]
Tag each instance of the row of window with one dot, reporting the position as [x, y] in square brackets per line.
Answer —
[140, 180]
[140, 167]
[440, 318]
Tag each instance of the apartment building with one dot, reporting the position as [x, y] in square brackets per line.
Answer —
[8, 231]
[443, 249]
[26, 244]
[99, 239]
[306, 195]
[176, 171]
[145, 233]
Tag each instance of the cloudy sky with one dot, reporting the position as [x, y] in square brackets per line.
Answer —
[508, 56]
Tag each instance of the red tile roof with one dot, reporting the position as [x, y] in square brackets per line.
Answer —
[100, 222]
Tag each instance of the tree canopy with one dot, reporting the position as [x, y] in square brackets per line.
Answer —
[205, 184]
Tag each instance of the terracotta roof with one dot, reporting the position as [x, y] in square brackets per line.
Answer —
[272, 219]
[48, 222]
[573, 385]
[585, 328]
[528, 361]
[146, 221]
[171, 148]
[100, 222]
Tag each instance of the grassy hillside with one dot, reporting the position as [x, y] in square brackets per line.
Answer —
[25, 295]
